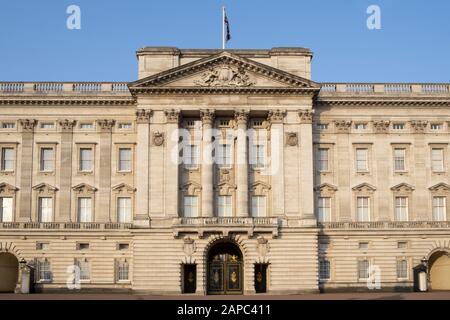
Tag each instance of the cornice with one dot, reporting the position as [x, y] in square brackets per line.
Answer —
[227, 90]
[383, 101]
[67, 101]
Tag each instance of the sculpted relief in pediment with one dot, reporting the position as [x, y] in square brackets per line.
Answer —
[225, 76]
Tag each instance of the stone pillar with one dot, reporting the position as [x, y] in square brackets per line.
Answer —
[241, 166]
[171, 178]
[207, 117]
[420, 212]
[142, 166]
[104, 194]
[306, 167]
[65, 177]
[343, 169]
[26, 169]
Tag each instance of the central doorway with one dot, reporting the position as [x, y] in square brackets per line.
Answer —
[225, 269]
[9, 272]
[439, 264]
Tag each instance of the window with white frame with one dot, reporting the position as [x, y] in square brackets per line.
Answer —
[439, 208]
[191, 156]
[437, 159]
[86, 125]
[86, 158]
[360, 126]
[436, 126]
[125, 125]
[258, 156]
[224, 159]
[362, 159]
[322, 126]
[398, 126]
[84, 210]
[258, 206]
[363, 269]
[322, 159]
[125, 160]
[47, 125]
[324, 269]
[123, 270]
[43, 270]
[324, 209]
[124, 210]
[402, 269]
[47, 159]
[363, 209]
[225, 206]
[85, 269]
[8, 159]
[401, 208]
[45, 209]
[8, 125]
[6, 209]
[399, 159]
[190, 206]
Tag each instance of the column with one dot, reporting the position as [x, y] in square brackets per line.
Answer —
[26, 169]
[104, 194]
[207, 117]
[241, 166]
[276, 118]
[171, 178]
[65, 180]
[142, 166]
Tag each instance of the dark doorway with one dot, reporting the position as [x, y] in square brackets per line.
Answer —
[225, 271]
[189, 278]
[261, 277]
[9, 272]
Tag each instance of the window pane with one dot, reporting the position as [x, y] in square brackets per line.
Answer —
[324, 269]
[363, 269]
[401, 209]
[84, 269]
[399, 159]
[85, 159]
[323, 160]
[402, 269]
[361, 159]
[125, 159]
[362, 207]
[84, 210]
[258, 206]
[45, 209]
[437, 160]
[122, 270]
[439, 209]
[190, 156]
[43, 271]
[324, 206]
[6, 214]
[47, 157]
[190, 206]
[224, 206]
[124, 212]
[8, 159]
[258, 156]
[224, 155]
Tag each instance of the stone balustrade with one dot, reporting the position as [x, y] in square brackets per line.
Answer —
[64, 226]
[385, 88]
[62, 87]
[385, 225]
[226, 221]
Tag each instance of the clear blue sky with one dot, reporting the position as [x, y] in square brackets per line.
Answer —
[412, 46]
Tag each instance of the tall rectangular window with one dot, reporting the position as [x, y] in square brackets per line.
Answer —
[85, 270]
[86, 159]
[8, 156]
[123, 270]
[191, 156]
[225, 206]
[224, 156]
[401, 208]
[324, 269]
[190, 206]
[399, 159]
[125, 159]
[324, 208]
[402, 269]
[6, 209]
[124, 211]
[439, 209]
[258, 156]
[43, 271]
[362, 159]
[258, 206]
[84, 210]
[363, 209]
[322, 159]
[45, 209]
[363, 269]
[437, 159]
[47, 159]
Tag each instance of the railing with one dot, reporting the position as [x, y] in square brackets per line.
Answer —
[62, 87]
[386, 88]
[234, 221]
[65, 226]
[385, 225]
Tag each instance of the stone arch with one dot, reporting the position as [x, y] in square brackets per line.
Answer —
[10, 273]
[439, 270]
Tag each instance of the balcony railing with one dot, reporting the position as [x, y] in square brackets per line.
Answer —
[65, 226]
[385, 225]
[226, 221]
[386, 88]
[62, 87]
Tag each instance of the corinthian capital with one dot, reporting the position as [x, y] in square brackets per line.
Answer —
[66, 125]
[143, 115]
[106, 124]
[207, 116]
[173, 116]
[306, 116]
[27, 124]
[241, 116]
[276, 116]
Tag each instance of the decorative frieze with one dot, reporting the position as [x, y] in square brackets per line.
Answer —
[381, 126]
[419, 126]
[173, 116]
[27, 124]
[306, 116]
[342, 125]
[143, 116]
[66, 125]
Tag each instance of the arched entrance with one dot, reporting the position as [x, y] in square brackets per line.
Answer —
[225, 269]
[439, 270]
[9, 272]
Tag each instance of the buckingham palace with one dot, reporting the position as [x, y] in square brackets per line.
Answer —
[224, 172]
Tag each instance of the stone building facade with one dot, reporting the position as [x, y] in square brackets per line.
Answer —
[224, 172]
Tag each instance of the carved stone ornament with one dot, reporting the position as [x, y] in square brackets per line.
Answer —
[342, 125]
[207, 116]
[381, 126]
[419, 125]
[263, 246]
[292, 139]
[106, 125]
[28, 124]
[225, 76]
[66, 125]
[143, 115]
[224, 175]
[158, 138]
[276, 116]
[189, 246]
[241, 116]
[173, 116]
[306, 116]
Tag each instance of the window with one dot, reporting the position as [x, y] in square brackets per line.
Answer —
[401, 208]
[363, 245]
[362, 207]
[190, 206]
[191, 157]
[125, 125]
[363, 269]
[8, 156]
[123, 246]
[43, 271]
[47, 125]
[224, 123]
[399, 159]
[324, 208]
[437, 160]
[322, 126]
[361, 159]
[82, 246]
[6, 209]
[124, 211]
[42, 246]
[86, 126]
[258, 156]
[123, 270]
[402, 245]
[324, 269]
[322, 159]
[45, 209]
[360, 126]
[224, 156]
[86, 159]
[323, 246]
[85, 272]
[8, 125]
[402, 269]
[258, 206]
[439, 209]
[84, 210]
[436, 126]
[257, 123]
[125, 159]
[47, 159]
[225, 206]
[398, 126]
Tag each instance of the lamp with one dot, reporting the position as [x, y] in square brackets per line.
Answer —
[23, 262]
[424, 261]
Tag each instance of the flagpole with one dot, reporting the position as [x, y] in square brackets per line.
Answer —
[223, 28]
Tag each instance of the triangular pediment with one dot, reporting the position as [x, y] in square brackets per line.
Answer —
[326, 187]
[403, 187]
[223, 71]
[6, 188]
[45, 187]
[123, 188]
[364, 187]
[440, 187]
[84, 188]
